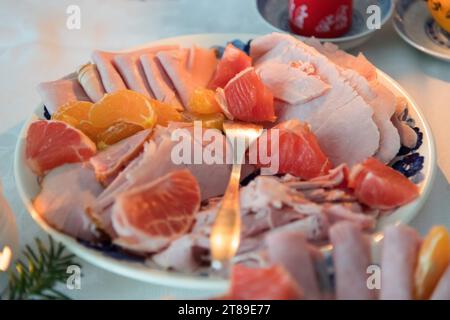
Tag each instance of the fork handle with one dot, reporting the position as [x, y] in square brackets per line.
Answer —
[227, 225]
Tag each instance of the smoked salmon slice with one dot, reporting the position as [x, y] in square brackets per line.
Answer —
[381, 187]
[297, 150]
[246, 98]
[233, 61]
[50, 144]
[271, 283]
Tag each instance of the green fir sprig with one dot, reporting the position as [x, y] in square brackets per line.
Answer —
[42, 268]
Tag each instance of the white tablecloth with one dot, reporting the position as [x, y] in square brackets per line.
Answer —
[36, 46]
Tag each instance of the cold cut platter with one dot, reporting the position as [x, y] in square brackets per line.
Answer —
[95, 165]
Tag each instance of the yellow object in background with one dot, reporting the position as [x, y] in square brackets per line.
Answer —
[440, 10]
[434, 257]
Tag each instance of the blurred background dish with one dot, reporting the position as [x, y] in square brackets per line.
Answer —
[414, 23]
[275, 13]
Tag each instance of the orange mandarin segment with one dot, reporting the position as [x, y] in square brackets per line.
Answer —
[434, 257]
[165, 113]
[211, 121]
[123, 106]
[204, 101]
[73, 112]
[117, 132]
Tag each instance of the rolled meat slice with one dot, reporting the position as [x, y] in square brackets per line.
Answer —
[398, 260]
[297, 260]
[133, 74]
[90, 80]
[442, 291]
[159, 82]
[120, 70]
[56, 93]
[175, 64]
[351, 255]
[111, 79]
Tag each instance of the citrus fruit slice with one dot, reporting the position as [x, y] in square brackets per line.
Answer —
[165, 113]
[247, 98]
[203, 101]
[117, 132]
[271, 283]
[297, 150]
[380, 186]
[124, 105]
[233, 61]
[434, 257]
[73, 112]
[88, 129]
[50, 144]
[210, 121]
[157, 212]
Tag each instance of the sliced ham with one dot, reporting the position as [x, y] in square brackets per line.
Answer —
[351, 256]
[112, 160]
[129, 66]
[291, 84]
[175, 64]
[182, 255]
[90, 80]
[111, 79]
[291, 250]
[133, 74]
[442, 290]
[349, 135]
[384, 106]
[343, 59]
[57, 93]
[362, 75]
[65, 194]
[340, 118]
[336, 177]
[341, 212]
[408, 137]
[202, 63]
[159, 82]
[398, 260]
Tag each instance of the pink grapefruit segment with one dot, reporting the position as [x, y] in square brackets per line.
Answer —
[380, 186]
[248, 99]
[50, 144]
[165, 207]
[271, 283]
[298, 150]
[233, 61]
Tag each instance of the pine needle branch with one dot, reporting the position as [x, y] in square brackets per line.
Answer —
[42, 268]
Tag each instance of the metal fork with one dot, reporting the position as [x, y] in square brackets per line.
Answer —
[226, 231]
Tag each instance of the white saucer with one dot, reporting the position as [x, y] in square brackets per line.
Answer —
[416, 26]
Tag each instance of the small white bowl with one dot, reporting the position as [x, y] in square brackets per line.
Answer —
[275, 14]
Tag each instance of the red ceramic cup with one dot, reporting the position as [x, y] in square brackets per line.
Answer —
[320, 18]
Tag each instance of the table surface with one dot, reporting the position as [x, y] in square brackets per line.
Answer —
[36, 46]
